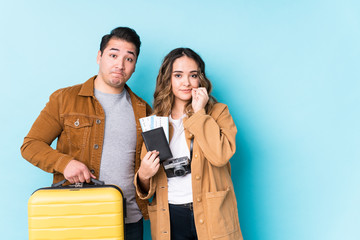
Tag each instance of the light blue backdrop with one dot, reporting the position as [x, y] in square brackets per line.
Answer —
[289, 71]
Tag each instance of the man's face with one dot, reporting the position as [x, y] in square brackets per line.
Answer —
[116, 65]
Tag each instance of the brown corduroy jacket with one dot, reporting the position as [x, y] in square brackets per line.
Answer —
[77, 120]
[214, 200]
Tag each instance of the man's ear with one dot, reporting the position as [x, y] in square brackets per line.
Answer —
[98, 57]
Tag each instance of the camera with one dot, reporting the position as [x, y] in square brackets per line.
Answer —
[177, 167]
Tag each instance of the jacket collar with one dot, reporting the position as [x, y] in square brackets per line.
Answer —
[87, 89]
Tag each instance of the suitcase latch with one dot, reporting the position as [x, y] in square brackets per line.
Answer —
[78, 185]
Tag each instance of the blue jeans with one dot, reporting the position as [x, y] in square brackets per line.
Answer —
[182, 223]
[134, 231]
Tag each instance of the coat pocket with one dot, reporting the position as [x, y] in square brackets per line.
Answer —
[152, 209]
[77, 129]
[222, 213]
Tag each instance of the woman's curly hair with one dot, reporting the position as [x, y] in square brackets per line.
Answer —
[163, 95]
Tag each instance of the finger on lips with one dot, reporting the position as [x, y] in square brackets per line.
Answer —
[203, 91]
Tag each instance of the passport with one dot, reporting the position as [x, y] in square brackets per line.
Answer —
[155, 139]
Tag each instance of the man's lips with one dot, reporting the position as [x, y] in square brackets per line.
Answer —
[118, 73]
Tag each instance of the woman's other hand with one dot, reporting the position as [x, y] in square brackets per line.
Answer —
[200, 98]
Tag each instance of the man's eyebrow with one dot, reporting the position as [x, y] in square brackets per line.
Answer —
[131, 52]
[116, 49]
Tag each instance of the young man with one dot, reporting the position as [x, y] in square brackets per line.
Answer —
[97, 127]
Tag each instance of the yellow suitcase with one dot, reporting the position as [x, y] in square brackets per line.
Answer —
[80, 211]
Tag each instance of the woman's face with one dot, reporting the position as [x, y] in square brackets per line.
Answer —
[184, 77]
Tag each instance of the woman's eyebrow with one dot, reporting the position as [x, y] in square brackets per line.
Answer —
[193, 71]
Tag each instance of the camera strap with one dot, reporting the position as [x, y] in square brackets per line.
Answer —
[191, 148]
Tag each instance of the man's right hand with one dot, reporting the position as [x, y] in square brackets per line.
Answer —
[76, 172]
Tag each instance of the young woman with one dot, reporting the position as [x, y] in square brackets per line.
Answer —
[194, 199]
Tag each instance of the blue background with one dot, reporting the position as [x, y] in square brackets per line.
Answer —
[288, 70]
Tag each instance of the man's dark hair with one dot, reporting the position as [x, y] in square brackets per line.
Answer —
[123, 33]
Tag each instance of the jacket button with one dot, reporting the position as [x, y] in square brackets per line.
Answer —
[98, 121]
[198, 199]
[92, 171]
[96, 146]
[201, 221]
[198, 177]
[195, 155]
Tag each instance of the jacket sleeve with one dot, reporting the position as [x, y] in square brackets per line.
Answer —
[47, 127]
[148, 110]
[215, 134]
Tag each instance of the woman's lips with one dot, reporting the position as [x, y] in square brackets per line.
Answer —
[186, 90]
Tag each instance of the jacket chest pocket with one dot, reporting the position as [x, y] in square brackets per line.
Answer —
[77, 130]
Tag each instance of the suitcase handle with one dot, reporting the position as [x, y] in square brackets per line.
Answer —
[96, 182]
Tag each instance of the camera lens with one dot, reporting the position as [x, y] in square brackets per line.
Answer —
[179, 171]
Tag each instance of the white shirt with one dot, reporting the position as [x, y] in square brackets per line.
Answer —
[179, 188]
